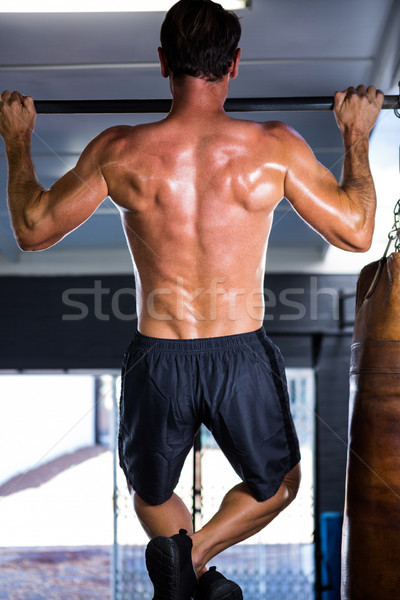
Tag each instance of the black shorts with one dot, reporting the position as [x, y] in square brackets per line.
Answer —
[235, 385]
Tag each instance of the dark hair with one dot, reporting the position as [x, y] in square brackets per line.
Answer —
[199, 38]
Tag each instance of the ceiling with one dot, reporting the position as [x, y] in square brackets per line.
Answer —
[289, 48]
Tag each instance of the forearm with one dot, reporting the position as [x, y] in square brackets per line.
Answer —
[23, 189]
[358, 185]
[356, 111]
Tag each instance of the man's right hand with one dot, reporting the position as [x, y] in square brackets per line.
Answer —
[356, 110]
[17, 116]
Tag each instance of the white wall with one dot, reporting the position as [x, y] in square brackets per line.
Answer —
[43, 417]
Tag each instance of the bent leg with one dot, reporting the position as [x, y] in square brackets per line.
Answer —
[239, 517]
[169, 553]
[164, 519]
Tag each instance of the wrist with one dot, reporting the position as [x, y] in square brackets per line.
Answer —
[17, 143]
[352, 135]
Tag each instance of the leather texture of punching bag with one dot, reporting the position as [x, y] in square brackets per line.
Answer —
[371, 528]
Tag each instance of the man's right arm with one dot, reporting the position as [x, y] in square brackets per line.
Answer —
[342, 213]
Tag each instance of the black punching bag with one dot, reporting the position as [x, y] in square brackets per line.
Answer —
[371, 528]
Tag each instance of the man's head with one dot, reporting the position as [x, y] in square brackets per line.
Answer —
[199, 38]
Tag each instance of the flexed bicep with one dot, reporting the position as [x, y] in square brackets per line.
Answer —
[72, 199]
[42, 217]
[320, 200]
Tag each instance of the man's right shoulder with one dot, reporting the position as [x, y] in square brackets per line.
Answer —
[286, 138]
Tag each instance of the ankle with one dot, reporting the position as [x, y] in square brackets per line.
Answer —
[198, 557]
[198, 565]
[200, 573]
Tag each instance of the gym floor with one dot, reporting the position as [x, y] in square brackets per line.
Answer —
[42, 556]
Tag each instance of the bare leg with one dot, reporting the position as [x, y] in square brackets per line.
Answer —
[163, 519]
[239, 517]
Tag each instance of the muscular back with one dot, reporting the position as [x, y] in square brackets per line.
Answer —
[197, 202]
[197, 192]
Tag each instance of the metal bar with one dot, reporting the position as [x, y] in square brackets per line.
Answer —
[244, 62]
[163, 105]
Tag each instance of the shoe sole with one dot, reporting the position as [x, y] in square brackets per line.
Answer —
[162, 562]
[226, 590]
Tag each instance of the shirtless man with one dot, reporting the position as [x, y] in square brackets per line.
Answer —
[196, 192]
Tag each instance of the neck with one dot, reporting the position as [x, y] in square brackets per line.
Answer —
[192, 96]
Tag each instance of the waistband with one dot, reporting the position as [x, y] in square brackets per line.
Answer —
[199, 344]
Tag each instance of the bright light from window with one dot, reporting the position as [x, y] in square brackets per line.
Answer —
[72, 6]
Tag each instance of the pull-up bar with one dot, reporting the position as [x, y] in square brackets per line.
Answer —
[163, 106]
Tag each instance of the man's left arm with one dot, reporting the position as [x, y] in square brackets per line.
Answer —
[39, 217]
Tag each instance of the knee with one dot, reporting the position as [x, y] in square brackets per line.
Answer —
[292, 483]
[139, 504]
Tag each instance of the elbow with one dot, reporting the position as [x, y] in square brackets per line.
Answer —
[359, 234]
[360, 248]
[25, 247]
[363, 237]
[28, 241]
[29, 230]
[358, 222]
[23, 241]
[364, 247]
[360, 241]
[354, 241]
[24, 238]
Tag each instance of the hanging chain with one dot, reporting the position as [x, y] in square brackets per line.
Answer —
[394, 234]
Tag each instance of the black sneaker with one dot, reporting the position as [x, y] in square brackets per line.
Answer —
[169, 563]
[214, 586]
